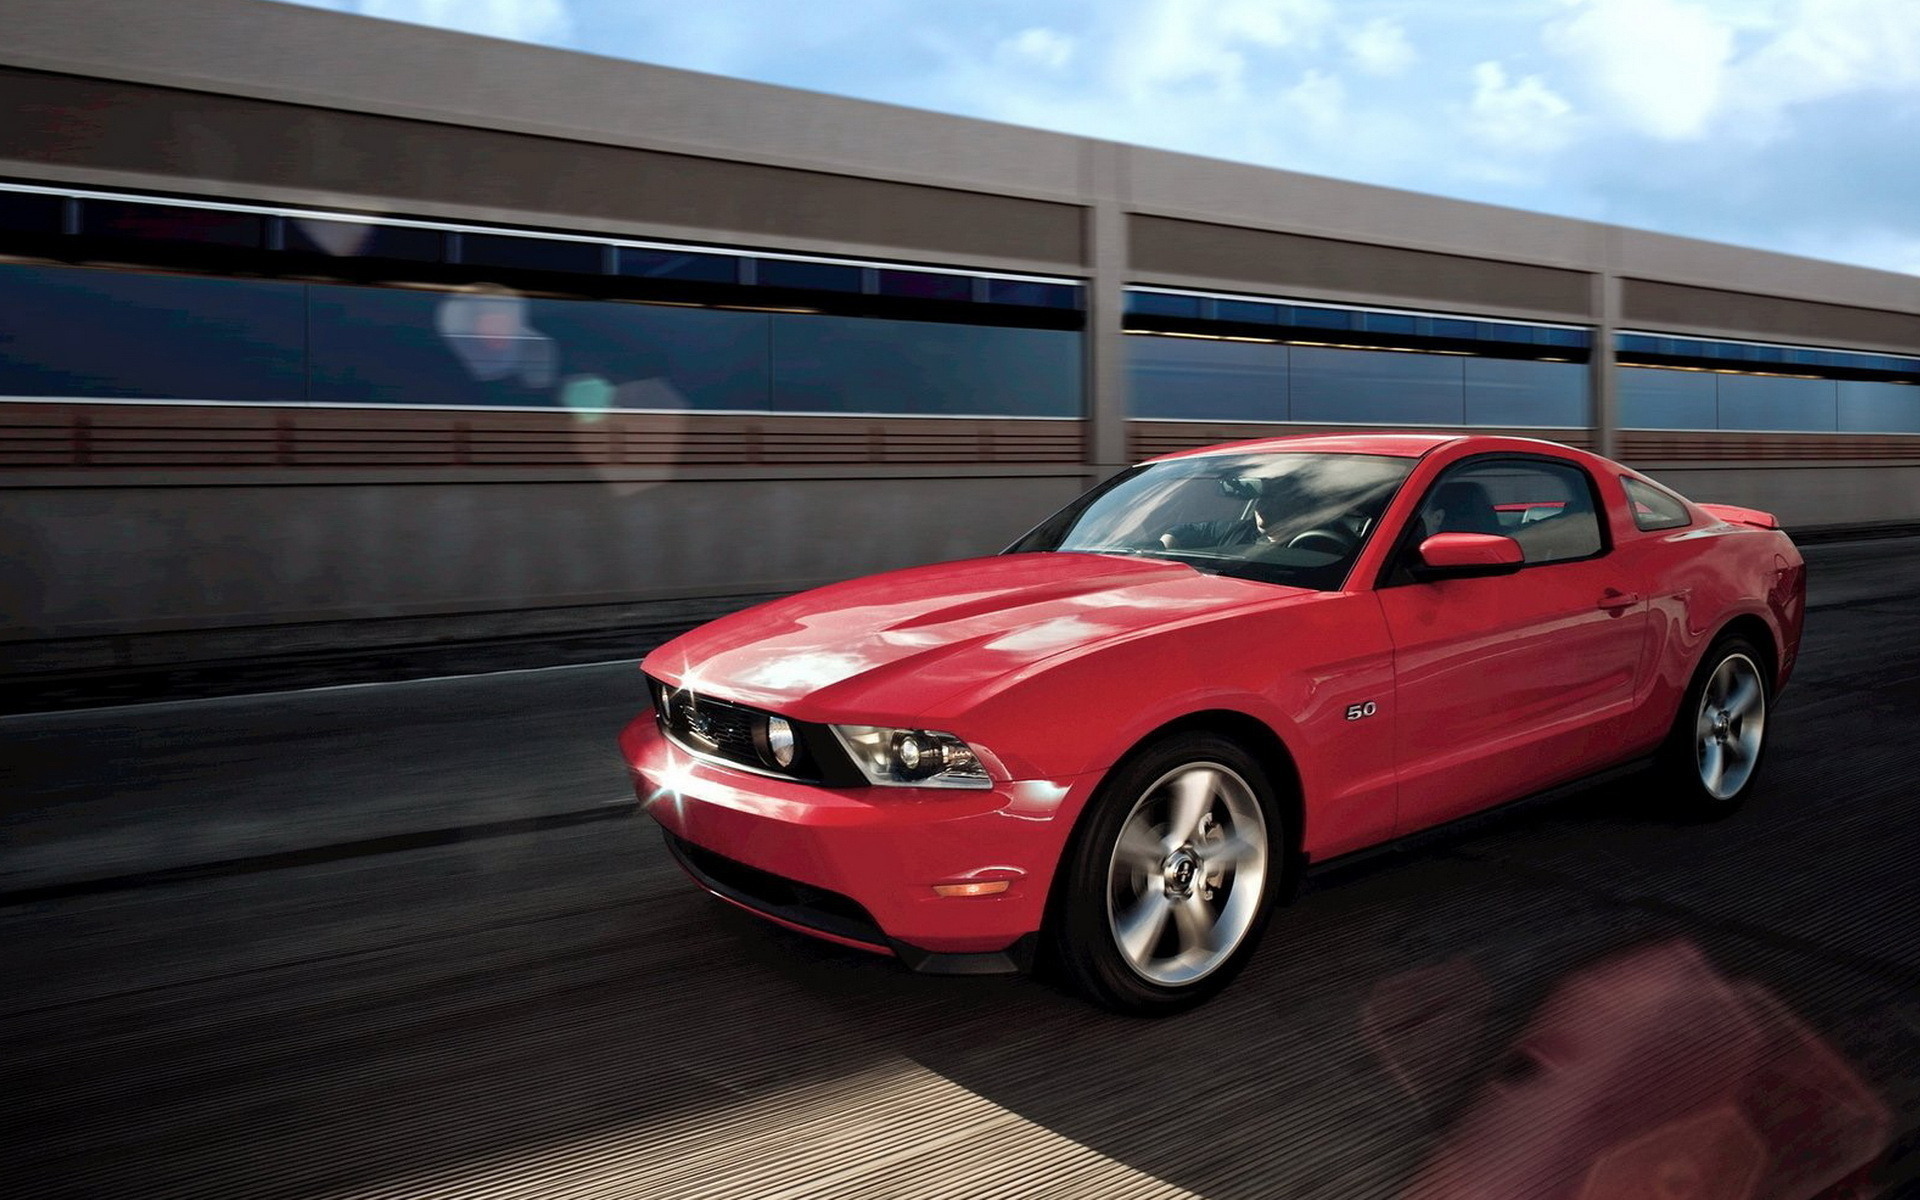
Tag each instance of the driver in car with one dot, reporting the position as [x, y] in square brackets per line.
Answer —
[1270, 510]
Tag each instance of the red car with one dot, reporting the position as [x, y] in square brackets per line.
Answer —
[1118, 742]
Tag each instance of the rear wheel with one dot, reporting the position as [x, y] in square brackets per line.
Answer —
[1713, 754]
[1168, 887]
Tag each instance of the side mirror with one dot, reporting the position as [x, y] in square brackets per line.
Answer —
[1467, 556]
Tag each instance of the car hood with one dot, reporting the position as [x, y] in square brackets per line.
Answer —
[890, 647]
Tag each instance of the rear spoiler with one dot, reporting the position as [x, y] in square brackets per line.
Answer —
[1734, 514]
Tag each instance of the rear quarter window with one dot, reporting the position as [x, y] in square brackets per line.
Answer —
[1654, 508]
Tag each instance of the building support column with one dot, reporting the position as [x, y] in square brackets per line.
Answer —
[1603, 380]
[1104, 183]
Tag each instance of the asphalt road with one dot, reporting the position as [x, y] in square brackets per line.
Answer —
[404, 940]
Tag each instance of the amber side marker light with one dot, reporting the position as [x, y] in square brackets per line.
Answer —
[991, 887]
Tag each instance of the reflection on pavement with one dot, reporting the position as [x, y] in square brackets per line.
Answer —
[1647, 1075]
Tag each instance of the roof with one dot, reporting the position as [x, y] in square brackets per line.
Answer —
[1400, 445]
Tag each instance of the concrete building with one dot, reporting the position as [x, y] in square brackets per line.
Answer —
[318, 330]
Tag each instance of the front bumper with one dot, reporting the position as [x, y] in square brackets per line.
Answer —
[858, 866]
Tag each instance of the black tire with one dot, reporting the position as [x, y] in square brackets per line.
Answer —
[1217, 880]
[1713, 754]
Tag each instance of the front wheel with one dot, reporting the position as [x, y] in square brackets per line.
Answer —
[1168, 886]
[1713, 753]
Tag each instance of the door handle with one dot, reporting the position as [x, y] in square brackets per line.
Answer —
[1615, 601]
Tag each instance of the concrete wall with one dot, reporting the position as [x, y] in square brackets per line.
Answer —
[112, 559]
[1804, 495]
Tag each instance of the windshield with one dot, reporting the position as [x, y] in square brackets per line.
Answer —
[1290, 517]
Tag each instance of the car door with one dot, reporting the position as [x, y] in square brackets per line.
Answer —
[1511, 683]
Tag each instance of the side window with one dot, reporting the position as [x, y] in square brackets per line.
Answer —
[1654, 508]
[1547, 507]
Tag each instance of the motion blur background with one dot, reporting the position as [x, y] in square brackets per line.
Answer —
[326, 332]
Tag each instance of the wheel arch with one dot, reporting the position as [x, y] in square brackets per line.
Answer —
[1755, 630]
[1258, 739]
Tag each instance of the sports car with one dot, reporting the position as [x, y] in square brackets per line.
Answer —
[1115, 747]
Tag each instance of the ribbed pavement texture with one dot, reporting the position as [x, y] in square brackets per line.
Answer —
[1583, 999]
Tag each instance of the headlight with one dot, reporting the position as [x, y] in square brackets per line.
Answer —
[912, 757]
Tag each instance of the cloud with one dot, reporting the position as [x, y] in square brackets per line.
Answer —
[1523, 115]
[1659, 66]
[1826, 48]
[1048, 47]
[1169, 42]
[1380, 47]
[1319, 99]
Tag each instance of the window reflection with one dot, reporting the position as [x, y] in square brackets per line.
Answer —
[1211, 379]
[67, 331]
[74, 331]
[1879, 407]
[1505, 391]
[1377, 386]
[1650, 398]
[861, 364]
[1197, 380]
[1664, 398]
[1766, 402]
[389, 346]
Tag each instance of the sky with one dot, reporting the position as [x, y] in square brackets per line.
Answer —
[1791, 125]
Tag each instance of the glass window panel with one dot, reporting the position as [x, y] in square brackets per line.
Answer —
[389, 346]
[70, 331]
[1501, 331]
[1879, 407]
[1652, 508]
[1547, 507]
[645, 263]
[1376, 386]
[171, 223]
[1323, 318]
[1638, 343]
[1448, 327]
[1761, 402]
[813, 276]
[857, 364]
[925, 285]
[1199, 380]
[1032, 295]
[355, 239]
[1579, 338]
[1652, 398]
[1376, 322]
[1503, 391]
[1158, 304]
[28, 213]
[531, 254]
[1247, 312]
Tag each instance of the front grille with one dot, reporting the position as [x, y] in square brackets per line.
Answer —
[708, 726]
[730, 733]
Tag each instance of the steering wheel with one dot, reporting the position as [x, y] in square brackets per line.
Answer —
[1327, 539]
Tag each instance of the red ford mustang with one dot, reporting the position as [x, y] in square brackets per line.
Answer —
[1119, 742]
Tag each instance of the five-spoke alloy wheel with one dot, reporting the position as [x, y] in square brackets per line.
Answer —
[1719, 735]
[1168, 885]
